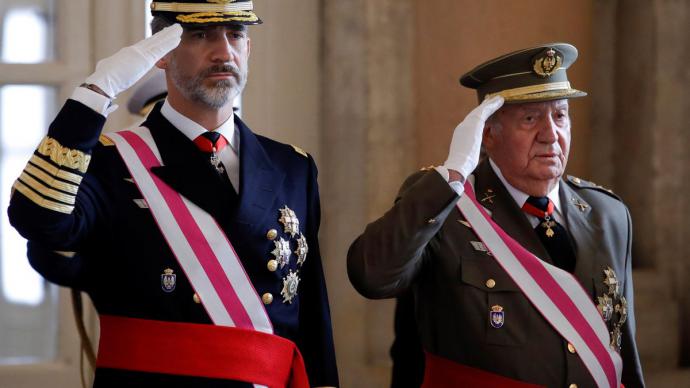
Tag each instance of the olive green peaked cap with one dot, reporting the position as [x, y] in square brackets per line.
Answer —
[529, 75]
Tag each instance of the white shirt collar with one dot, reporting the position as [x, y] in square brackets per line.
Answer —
[192, 129]
[520, 197]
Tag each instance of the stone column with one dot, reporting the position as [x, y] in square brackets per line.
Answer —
[641, 100]
[368, 149]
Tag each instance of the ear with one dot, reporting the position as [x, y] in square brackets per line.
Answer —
[488, 136]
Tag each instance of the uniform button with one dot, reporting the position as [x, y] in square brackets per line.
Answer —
[431, 221]
[272, 234]
[572, 386]
[272, 265]
[491, 283]
[196, 298]
[577, 181]
[267, 298]
[571, 348]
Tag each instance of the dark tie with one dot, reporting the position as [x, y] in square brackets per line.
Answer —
[211, 143]
[553, 235]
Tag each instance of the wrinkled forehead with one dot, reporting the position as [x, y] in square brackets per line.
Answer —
[536, 106]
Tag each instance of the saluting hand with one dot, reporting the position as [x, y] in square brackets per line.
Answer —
[121, 70]
[465, 146]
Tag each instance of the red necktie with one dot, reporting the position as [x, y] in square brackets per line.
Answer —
[209, 140]
[553, 235]
[211, 143]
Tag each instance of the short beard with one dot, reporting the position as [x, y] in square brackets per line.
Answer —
[216, 96]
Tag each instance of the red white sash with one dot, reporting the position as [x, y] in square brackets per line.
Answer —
[557, 295]
[200, 246]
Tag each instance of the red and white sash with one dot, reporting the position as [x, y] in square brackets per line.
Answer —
[557, 295]
[200, 246]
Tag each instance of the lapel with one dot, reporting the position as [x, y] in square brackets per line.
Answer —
[259, 179]
[583, 231]
[504, 211]
[186, 169]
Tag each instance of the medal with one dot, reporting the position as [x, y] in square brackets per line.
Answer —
[215, 162]
[548, 224]
[282, 251]
[302, 250]
[290, 284]
[289, 221]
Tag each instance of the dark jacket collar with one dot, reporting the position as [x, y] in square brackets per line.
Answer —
[187, 170]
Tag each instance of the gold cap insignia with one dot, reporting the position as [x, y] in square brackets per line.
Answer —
[547, 63]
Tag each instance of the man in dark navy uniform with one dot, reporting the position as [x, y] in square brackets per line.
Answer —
[78, 195]
[458, 304]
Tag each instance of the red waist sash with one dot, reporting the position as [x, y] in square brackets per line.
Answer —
[441, 372]
[200, 350]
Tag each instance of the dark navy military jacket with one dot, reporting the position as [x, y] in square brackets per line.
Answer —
[122, 254]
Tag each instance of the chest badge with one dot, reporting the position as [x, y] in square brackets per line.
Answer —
[605, 307]
[289, 221]
[290, 284]
[302, 250]
[282, 251]
[168, 280]
[497, 316]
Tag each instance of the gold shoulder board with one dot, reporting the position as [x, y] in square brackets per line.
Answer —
[299, 151]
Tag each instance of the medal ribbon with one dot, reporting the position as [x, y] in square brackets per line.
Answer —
[556, 294]
[200, 246]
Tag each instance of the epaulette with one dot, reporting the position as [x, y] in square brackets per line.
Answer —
[300, 151]
[105, 141]
[427, 168]
[581, 183]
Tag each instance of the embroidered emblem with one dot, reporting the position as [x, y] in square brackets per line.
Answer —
[547, 63]
[168, 280]
[497, 316]
[290, 284]
[489, 196]
[282, 251]
[302, 250]
[581, 205]
[289, 221]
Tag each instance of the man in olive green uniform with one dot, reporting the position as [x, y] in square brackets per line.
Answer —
[475, 323]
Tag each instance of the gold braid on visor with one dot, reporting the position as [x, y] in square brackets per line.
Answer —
[197, 7]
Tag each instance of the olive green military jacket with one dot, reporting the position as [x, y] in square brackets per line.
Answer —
[420, 243]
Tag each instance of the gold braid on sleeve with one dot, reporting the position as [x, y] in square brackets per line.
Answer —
[63, 156]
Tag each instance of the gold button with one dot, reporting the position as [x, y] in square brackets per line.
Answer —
[267, 298]
[196, 298]
[577, 181]
[431, 221]
[272, 265]
[572, 386]
[491, 283]
[571, 348]
[272, 234]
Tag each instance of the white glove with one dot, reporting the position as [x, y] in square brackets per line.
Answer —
[121, 70]
[463, 156]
